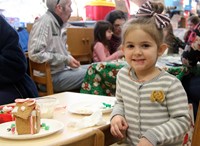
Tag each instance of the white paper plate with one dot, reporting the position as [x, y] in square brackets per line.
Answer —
[54, 126]
[88, 107]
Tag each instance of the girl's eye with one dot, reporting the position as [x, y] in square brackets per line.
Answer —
[145, 46]
[109, 31]
[130, 46]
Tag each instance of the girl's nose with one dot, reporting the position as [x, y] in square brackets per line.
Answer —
[137, 51]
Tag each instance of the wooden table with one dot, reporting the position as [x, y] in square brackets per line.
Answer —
[66, 98]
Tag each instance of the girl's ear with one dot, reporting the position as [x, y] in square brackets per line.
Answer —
[162, 49]
[122, 48]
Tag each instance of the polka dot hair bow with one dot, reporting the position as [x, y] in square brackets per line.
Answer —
[146, 10]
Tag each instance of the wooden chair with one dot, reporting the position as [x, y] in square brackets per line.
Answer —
[26, 54]
[29, 27]
[92, 138]
[43, 80]
[111, 139]
[196, 134]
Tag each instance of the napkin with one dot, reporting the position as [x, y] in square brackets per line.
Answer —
[94, 119]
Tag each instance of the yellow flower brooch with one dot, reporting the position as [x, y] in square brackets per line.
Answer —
[158, 96]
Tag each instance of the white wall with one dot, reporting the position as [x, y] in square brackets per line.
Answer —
[28, 10]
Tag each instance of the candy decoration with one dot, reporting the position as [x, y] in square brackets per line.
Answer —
[106, 105]
[44, 126]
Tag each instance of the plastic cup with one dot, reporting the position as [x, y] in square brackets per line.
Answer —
[47, 106]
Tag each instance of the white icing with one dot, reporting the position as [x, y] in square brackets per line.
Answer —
[7, 109]
[23, 108]
[15, 109]
[33, 113]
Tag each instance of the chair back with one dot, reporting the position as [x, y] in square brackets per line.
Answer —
[45, 80]
[92, 138]
[29, 27]
[110, 139]
[196, 134]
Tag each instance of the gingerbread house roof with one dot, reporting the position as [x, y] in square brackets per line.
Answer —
[23, 109]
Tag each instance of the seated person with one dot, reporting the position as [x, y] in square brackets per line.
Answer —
[102, 35]
[117, 18]
[191, 22]
[191, 53]
[46, 45]
[14, 81]
[190, 58]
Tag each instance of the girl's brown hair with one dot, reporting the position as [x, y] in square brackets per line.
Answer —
[100, 29]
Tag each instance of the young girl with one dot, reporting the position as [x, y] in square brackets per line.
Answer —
[117, 18]
[151, 107]
[102, 35]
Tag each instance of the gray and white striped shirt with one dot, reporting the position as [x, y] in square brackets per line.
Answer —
[161, 123]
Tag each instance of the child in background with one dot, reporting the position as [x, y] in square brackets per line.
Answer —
[191, 53]
[149, 108]
[117, 18]
[102, 35]
[191, 22]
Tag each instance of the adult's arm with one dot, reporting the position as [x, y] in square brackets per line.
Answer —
[13, 63]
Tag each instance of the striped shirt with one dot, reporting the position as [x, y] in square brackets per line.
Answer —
[161, 123]
[46, 43]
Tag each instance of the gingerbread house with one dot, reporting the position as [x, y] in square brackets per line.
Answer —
[27, 116]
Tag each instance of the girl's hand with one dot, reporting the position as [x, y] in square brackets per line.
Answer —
[144, 142]
[118, 126]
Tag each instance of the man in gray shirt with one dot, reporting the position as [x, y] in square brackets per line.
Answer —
[46, 45]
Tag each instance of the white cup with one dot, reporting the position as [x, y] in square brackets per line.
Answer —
[47, 106]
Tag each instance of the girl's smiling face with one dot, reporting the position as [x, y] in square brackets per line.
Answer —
[109, 34]
[141, 51]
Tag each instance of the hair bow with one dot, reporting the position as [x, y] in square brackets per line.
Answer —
[160, 19]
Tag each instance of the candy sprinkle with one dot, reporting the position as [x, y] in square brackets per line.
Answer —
[106, 105]
[8, 129]
[44, 126]
[12, 125]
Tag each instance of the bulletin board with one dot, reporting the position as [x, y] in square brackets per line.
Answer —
[122, 5]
